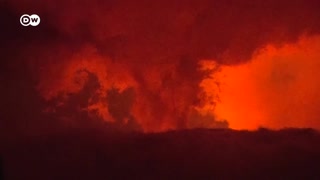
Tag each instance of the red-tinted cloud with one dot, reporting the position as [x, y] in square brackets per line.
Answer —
[153, 47]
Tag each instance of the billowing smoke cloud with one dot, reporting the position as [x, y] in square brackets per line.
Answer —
[278, 88]
[138, 63]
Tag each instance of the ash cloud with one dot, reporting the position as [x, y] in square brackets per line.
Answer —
[153, 47]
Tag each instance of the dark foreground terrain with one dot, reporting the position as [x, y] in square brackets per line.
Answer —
[188, 154]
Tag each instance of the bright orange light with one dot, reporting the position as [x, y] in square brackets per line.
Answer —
[279, 87]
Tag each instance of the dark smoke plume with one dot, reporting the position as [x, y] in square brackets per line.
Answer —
[134, 62]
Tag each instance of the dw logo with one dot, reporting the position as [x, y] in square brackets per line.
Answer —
[33, 20]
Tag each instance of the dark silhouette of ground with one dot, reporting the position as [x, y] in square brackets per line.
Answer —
[186, 154]
[1, 170]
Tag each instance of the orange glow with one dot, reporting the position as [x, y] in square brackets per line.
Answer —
[278, 88]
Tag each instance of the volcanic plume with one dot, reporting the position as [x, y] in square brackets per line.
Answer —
[154, 65]
[278, 88]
